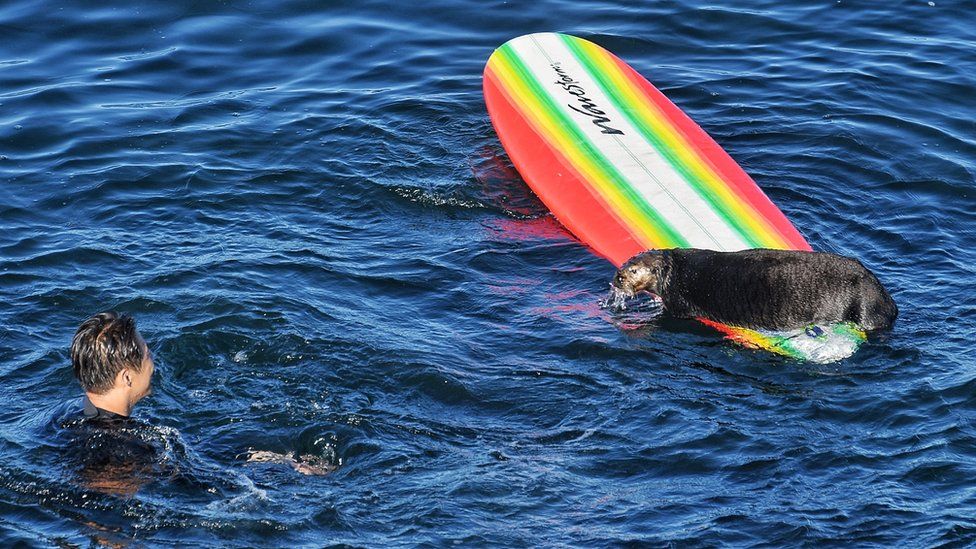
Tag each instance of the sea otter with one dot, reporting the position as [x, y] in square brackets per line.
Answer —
[760, 289]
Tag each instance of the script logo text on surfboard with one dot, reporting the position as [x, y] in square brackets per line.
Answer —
[589, 108]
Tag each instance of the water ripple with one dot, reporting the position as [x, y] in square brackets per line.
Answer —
[308, 212]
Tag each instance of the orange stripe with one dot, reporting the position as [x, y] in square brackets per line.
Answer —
[565, 159]
[624, 207]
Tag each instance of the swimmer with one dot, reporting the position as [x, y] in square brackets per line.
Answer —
[111, 452]
[113, 364]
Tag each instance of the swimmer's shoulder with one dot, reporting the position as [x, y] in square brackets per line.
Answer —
[93, 413]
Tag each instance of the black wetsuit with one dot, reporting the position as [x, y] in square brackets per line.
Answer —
[109, 452]
[116, 454]
[92, 412]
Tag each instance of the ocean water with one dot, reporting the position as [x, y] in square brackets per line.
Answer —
[306, 209]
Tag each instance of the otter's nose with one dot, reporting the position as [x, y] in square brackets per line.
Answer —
[618, 279]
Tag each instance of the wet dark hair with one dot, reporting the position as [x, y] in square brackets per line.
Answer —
[104, 345]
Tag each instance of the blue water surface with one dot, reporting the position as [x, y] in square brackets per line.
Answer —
[306, 208]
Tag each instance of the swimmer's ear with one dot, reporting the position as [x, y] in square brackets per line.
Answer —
[126, 377]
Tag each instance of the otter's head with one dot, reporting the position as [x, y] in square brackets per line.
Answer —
[641, 273]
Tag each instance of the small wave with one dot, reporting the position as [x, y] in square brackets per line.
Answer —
[430, 198]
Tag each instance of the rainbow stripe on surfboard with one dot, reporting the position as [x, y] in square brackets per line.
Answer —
[617, 163]
[663, 181]
[814, 343]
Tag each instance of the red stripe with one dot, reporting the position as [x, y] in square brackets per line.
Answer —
[553, 178]
[738, 180]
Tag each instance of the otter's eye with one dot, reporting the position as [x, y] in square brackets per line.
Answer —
[633, 270]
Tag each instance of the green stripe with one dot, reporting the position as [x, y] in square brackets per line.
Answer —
[655, 141]
[850, 331]
[512, 59]
[789, 349]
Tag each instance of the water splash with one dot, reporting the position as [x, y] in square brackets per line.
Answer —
[821, 344]
[619, 301]
[632, 311]
[616, 300]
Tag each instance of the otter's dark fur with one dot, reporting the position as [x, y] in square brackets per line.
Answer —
[771, 289]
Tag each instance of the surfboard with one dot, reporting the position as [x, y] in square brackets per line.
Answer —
[625, 170]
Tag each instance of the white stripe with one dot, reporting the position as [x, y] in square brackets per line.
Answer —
[647, 172]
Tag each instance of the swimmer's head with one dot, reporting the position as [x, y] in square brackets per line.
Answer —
[108, 353]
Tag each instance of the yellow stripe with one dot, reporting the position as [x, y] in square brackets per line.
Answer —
[655, 119]
[534, 110]
[758, 340]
